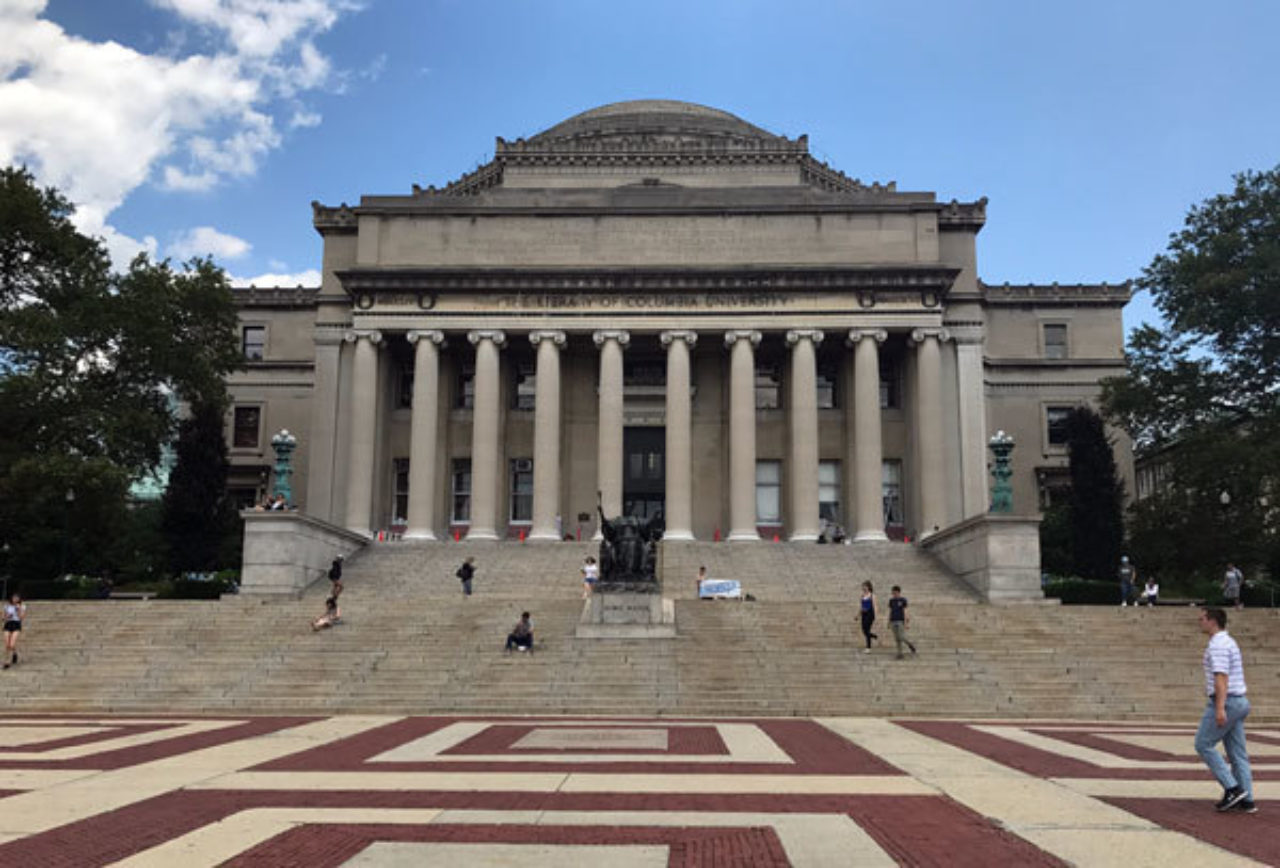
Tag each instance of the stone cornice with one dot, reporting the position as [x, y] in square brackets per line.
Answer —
[275, 296]
[870, 281]
[325, 218]
[1053, 293]
[963, 215]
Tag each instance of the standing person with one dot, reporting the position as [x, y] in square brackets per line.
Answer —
[868, 611]
[1223, 719]
[899, 619]
[521, 635]
[1232, 582]
[590, 575]
[466, 573]
[335, 577]
[1127, 576]
[14, 612]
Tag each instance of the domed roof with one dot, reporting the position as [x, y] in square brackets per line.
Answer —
[652, 116]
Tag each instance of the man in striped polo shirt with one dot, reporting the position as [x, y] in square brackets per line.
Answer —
[1223, 719]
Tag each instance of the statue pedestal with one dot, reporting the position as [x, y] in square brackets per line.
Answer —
[623, 610]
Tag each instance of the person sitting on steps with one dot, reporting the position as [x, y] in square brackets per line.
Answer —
[332, 615]
[521, 635]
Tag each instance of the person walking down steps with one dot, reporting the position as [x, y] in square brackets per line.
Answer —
[867, 611]
[466, 573]
[899, 619]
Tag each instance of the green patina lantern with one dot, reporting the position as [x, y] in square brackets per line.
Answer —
[1001, 447]
[284, 443]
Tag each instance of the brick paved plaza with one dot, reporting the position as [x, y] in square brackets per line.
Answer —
[484, 791]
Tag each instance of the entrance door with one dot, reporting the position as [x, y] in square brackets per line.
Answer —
[644, 471]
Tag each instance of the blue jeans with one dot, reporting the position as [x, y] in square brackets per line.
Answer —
[1232, 738]
[1126, 591]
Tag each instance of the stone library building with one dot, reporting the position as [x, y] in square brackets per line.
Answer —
[665, 307]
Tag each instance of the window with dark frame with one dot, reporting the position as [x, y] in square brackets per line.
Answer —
[521, 490]
[768, 386]
[524, 395]
[828, 385]
[244, 427]
[253, 340]
[1056, 425]
[891, 492]
[400, 492]
[890, 383]
[768, 492]
[1055, 341]
[829, 490]
[461, 488]
[465, 395]
[404, 386]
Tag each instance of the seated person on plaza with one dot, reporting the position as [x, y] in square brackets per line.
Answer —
[1151, 592]
[332, 615]
[521, 635]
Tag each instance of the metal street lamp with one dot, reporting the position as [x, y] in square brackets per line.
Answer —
[284, 443]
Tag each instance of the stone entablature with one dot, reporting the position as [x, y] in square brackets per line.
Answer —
[1117, 294]
[276, 296]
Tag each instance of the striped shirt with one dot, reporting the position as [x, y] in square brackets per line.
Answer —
[1222, 654]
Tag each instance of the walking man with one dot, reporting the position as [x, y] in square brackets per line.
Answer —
[1127, 575]
[1232, 585]
[466, 573]
[899, 619]
[1223, 719]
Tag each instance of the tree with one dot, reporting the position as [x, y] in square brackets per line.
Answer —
[89, 360]
[1206, 391]
[197, 512]
[1097, 497]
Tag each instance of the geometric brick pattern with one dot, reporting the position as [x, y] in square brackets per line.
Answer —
[90, 790]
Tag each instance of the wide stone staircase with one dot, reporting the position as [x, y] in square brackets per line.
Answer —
[411, 643]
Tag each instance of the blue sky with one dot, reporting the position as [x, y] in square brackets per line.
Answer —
[187, 126]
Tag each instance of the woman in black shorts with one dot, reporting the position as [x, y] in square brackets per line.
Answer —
[14, 611]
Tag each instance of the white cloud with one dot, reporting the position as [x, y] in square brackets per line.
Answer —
[99, 119]
[303, 118]
[310, 277]
[207, 241]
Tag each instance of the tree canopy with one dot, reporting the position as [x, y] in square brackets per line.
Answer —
[89, 360]
[1203, 395]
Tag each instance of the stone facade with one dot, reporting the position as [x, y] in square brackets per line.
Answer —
[664, 304]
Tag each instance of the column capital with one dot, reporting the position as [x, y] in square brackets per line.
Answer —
[667, 338]
[732, 337]
[622, 337]
[498, 337]
[919, 336]
[556, 337]
[856, 335]
[372, 335]
[435, 337]
[795, 336]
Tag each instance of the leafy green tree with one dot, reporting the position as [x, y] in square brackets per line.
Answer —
[1208, 387]
[1097, 497]
[89, 360]
[198, 515]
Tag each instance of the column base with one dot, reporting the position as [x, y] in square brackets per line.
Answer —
[678, 536]
[543, 536]
[481, 535]
[803, 536]
[743, 536]
[870, 536]
[420, 535]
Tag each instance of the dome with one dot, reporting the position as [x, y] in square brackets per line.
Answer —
[653, 116]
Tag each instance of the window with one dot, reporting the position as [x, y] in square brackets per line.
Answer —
[461, 491]
[404, 386]
[828, 382]
[1055, 340]
[1056, 425]
[245, 425]
[768, 387]
[253, 340]
[521, 489]
[465, 395]
[400, 491]
[526, 388]
[644, 371]
[768, 492]
[890, 383]
[829, 490]
[891, 490]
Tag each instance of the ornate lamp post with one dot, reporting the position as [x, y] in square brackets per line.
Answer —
[284, 443]
[1001, 446]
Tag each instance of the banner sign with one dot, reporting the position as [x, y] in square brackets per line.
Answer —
[720, 589]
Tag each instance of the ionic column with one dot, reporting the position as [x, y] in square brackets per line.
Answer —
[802, 414]
[546, 436]
[485, 436]
[364, 430]
[867, 452]
[742, 435]
[609, 444]
[424, 423]
[679, 485]
[933, 507]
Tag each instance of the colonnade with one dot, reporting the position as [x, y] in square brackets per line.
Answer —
[803, 476]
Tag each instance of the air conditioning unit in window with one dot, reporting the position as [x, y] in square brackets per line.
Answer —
[523, 465]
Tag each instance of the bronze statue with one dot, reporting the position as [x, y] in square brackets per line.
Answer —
[628, 552]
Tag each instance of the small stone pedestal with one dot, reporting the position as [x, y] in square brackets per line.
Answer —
[627, 610]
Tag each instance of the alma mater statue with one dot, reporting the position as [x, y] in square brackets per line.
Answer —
[627, 552]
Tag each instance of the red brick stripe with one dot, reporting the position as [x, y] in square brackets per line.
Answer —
[1255, 836]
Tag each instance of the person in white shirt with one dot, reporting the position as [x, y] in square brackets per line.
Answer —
[1151, 592]
[1223, 719]
[14, 612]
[590, 575]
